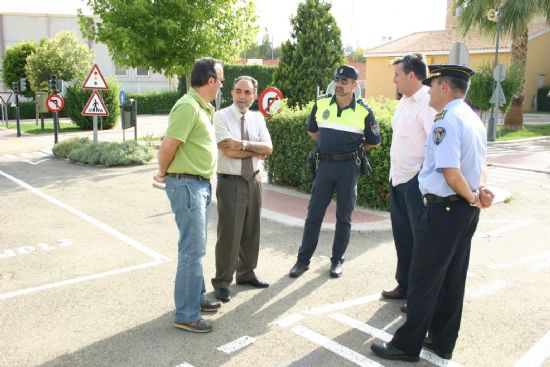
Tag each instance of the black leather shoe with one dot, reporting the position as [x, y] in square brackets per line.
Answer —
[336, 269]
[210, 306]
[222, 294]
[428, 344]
[255, 282]
[388, 351]
[403, 308]
[297, 270]
[394, 294]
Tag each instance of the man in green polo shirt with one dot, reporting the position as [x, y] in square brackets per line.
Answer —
[187, 160]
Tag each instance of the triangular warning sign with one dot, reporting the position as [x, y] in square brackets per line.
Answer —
[95, 106]
[95, 80]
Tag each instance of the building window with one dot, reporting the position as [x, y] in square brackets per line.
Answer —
[142, 72]
[120, 71]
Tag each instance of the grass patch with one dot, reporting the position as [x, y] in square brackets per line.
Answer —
[33, 128]
[82, 150]
[529, 131]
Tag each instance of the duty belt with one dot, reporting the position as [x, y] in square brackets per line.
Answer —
[339, 157]
[434, 199]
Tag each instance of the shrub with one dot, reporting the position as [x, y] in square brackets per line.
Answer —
[287, 165]
[543, 99]
[108, 154]
[154, 103]
[76, 99]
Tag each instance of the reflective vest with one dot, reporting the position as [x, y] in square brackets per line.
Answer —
[350, 120]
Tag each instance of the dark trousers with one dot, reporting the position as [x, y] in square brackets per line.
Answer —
[238, 243]
[405, 208]
[340, 176]
[437, 276]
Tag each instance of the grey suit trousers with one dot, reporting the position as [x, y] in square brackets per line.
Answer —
[238, 243]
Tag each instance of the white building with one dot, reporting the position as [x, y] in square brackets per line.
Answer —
[17, 27]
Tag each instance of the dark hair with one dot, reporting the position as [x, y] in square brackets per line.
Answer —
[456, 84]
[249, 78]
[204, 69]
[414, 63]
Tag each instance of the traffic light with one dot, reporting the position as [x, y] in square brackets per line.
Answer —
[53, 83]
[15, 87]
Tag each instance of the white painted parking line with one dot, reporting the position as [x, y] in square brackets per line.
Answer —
[520, 261]
[113, 232]
[35, 163]
[486, 289]
[237, 344]
[343, 305]
[386, 337]
[510, 225]
[537, 354]
[185, 364]
[335, 347]
[289, 320]
[78, 280]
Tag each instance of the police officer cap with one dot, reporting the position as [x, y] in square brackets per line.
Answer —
[347, 72]
[457, 71]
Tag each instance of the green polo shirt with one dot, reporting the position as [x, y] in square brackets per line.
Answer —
[190, 122]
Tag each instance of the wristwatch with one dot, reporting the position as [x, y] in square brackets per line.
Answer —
[245, 143]
[476, 199]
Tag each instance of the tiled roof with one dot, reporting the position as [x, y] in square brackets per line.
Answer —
[438, 42]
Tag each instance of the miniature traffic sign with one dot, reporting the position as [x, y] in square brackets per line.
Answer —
[270, 101]
[55, 103]
[95, 80]
[95, 106]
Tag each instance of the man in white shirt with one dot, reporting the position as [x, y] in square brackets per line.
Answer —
[243, 139]
[411, 125]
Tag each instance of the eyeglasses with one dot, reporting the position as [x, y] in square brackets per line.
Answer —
[343, 81]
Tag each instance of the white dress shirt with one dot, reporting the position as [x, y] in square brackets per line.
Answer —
[411, 123]
[227, 123]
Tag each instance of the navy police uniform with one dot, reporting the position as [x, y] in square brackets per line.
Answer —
[446, 226]
[340, 133]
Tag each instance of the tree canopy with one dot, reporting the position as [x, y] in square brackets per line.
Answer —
[169, 35]
[63, 56]
[14, 64]
[309, 58]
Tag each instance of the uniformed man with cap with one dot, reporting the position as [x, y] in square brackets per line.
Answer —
[451, 182]
[343, 126]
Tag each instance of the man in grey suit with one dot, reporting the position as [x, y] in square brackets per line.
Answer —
[243, 140]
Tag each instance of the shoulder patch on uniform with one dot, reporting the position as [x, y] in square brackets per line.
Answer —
[326, 114]
[375, 128]
[438, 135]
[328, 95]
[440, 116]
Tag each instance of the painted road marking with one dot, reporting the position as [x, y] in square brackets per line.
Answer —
[520, 261]
[540, 266]
[343, 305]
[184, 364]
[335, 347]
[486, 289]
[537, 354]
[289, 320]
[510, 225]
[237, 344]
[158, 258]
[386, 337]
[34, 163]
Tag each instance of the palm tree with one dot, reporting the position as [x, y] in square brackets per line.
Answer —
[515, 17]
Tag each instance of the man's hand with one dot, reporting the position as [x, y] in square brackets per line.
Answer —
[486, 197]
[159, 178]
[230, 144]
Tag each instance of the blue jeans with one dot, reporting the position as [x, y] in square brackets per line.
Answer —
[190, 201]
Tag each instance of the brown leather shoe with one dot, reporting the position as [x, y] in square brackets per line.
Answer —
[394, 294]
[403, 307]
[210, 306]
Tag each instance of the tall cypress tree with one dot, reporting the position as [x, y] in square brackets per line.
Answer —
[311, 55]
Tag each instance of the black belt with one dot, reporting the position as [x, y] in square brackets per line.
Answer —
[225, 175]
[338, 157]
[187, 175]
[434, 199]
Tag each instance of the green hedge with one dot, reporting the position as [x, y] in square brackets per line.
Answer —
[27, 110]
[287, 165]
[262, 73]
[154, 103]
[543, 100]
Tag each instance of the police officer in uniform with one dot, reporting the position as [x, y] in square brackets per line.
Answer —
[451, 182]
[342, 127]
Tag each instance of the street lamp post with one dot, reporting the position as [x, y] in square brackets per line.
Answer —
[492, 132]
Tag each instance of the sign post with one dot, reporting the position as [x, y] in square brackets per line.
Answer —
[55, 103]
[95, 106]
